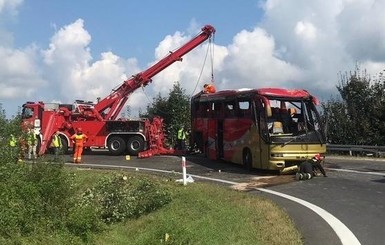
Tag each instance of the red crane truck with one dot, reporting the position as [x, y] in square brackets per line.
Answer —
[143, 137]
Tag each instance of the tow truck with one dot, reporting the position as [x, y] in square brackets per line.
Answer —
[99, 121]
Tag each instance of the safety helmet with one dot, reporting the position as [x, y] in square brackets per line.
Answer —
[318, 157]
[80, 130]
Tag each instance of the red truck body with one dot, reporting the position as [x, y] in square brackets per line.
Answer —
[143, 137]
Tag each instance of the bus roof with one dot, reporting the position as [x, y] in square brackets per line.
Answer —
[270, 93]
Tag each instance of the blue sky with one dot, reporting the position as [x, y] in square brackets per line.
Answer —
[59, 51]
[132, 28]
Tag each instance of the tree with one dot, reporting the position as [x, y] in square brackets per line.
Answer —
[174, 109]
[357, 117]
[9, 127]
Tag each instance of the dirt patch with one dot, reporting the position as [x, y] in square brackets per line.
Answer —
[260, 182]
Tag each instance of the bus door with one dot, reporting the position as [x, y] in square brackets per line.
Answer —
[213, 132]
[251, 152]
[262, 139]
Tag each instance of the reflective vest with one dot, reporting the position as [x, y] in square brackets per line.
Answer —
[79, 139]
[181, 134]
[12, 141]
[31, 138]
[56, 142]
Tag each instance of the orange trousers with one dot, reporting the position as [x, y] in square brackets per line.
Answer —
[78, 153]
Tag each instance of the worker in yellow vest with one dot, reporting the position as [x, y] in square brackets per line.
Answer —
[32, 144]
[79, 139]
[14, 148]
[56, 144]
[181, 138]
[12, 141]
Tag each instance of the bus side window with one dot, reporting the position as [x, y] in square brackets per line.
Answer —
[244, 109]
[203, 110]
[195, 109]
[217, 111]
[211, 110]
[229, 109]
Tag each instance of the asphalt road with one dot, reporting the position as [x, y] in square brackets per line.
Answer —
[353, 192]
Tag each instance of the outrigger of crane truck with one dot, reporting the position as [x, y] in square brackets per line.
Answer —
[100, 122]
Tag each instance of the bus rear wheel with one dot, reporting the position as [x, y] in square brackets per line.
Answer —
[247, 159]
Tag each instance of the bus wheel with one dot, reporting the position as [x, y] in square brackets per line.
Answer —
[116, 145]
[247, 159]
[135, 145]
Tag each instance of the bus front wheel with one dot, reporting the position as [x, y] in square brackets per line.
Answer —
[247, 159]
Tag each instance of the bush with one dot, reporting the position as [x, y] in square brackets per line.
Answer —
[33, 198]
[120, 197]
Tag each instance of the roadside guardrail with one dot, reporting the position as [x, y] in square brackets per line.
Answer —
[375, 151]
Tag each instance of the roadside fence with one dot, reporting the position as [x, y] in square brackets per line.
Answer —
[357, 150]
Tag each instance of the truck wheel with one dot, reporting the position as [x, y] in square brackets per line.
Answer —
[247, 159]
[135, 144]
[116, 145]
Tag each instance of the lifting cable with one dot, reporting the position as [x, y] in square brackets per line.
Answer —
[210, 49]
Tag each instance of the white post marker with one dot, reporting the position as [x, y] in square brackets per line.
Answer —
[184, 170]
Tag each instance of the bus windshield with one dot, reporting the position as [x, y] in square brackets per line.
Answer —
[292, 121]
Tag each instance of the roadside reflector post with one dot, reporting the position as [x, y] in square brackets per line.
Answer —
[184, 170]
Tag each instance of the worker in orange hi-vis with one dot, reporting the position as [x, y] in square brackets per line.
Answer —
[78, 139]
[209, 88]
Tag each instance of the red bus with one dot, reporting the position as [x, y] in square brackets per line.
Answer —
[267, 128]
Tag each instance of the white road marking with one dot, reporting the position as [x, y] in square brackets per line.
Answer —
[345, 235]
[355, 171]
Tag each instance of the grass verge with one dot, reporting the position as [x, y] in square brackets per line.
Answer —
[202, 213]
[199, 214]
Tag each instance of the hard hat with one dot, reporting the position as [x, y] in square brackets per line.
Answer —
[317, 156]
[80, 130]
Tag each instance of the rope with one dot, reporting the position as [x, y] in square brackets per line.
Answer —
[203, 65]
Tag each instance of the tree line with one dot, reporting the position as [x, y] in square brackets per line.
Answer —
[356, 116]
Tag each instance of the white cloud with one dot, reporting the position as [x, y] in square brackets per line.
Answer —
[361, 26]
[324, 38]
[69, 65]
[192, 72]
[10, 6]
[306, 30]
[254, 61]
[19, 74]
[297, 44]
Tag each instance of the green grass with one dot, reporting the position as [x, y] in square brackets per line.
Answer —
[202, 213]
[199, 214]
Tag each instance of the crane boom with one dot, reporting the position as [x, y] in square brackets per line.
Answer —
[110, 107]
